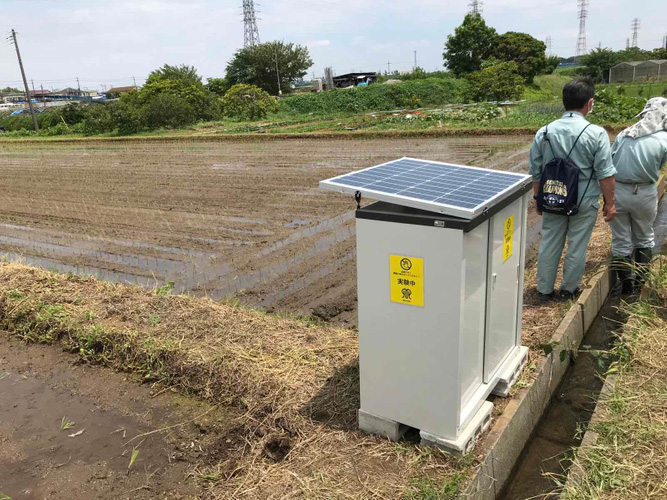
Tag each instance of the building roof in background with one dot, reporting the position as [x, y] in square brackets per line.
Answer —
[120, 90]
[637, 63]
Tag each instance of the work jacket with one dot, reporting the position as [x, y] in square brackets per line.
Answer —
[592, 154]
[638, 161]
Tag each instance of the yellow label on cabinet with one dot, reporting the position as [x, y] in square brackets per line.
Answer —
[507, 237]
[406, 278]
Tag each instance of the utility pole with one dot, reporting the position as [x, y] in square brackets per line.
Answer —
[280, 92]
[388, 67]
[635, 31]
[549, 45]
[415, 66]
[32, 82]
[135, 82]
[43, 98]
[78, 85]
[25, 82]
[627, 43]
[582, 5]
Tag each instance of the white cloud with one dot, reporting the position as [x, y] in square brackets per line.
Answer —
[319, 43]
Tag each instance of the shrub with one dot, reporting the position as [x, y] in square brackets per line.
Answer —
[168, 111]
[611, 108]
[499, 81]
[379, 97]
[244, 101]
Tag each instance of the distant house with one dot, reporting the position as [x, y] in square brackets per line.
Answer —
[69, 92]
[12, 97]
[639, 71]
[120, 90]
[354, 80]
[39, 93]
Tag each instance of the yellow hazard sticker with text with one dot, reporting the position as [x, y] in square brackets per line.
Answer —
[507, 237]
[406, 277]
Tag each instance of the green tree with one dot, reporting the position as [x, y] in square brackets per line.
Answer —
[469, 46]
[204, 104]
[249, 102]
[497, 81]
[597, 63]
[218, 86]
[552, 64]
[186, 74]
[257, 66]
[527, 52]
[658, 53]
[633, 54]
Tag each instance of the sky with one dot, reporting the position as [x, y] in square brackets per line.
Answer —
[112, 43]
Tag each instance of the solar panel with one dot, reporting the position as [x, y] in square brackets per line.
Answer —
[429, 185]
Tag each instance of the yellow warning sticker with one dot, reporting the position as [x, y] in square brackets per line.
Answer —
[507, 237]
[406, 275]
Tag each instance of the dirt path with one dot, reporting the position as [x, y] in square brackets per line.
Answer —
[39, 386]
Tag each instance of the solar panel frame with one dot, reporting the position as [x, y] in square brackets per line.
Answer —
[464, 209]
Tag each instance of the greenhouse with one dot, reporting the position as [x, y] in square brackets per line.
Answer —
[639, 71]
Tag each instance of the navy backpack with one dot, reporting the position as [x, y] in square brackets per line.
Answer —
[559, 184]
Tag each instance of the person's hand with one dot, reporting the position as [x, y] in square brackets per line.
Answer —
[609, 212]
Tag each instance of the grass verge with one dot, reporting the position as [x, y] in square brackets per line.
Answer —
[289, 388]
[629, 457]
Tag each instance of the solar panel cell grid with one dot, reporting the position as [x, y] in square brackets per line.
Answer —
[440, 184]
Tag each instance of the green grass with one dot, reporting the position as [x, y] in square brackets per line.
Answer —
[629, 457]
[645, 90]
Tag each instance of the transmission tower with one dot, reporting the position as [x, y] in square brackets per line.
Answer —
[582, 5]
[476, 7]
[548, 43]
[635, 31]
[251, 33]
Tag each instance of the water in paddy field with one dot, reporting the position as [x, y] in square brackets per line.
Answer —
[215, 219]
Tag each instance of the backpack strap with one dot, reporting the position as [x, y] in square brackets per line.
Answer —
[576, 140]
[546, 138]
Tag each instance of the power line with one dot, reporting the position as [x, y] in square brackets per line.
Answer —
[251, 32]
[582, 5]
[635, 31]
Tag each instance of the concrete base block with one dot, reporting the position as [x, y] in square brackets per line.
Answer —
[510, 372]
[467, 436]
[590, 302]
[372, 424]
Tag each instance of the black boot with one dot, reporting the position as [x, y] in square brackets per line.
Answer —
[622, 266]
[642, 261]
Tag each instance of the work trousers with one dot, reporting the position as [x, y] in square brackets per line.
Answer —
[555, 229]
[636, 209]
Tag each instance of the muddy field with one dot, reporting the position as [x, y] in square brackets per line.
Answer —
[229, 218]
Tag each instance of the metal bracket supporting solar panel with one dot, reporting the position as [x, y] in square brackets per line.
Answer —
[461, 192]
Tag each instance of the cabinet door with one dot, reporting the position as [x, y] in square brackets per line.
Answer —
[502, 286]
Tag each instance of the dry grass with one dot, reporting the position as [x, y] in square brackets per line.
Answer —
[629, 458]
[289, 388]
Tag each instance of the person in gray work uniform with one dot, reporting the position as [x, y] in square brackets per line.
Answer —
[591, 153]
[639, 153]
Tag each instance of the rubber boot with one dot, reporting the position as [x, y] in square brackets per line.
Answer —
[622, 266]
[642, 261]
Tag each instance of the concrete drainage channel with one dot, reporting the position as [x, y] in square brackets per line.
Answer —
[530, 419]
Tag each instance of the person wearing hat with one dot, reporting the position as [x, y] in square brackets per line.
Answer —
[639, 153]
